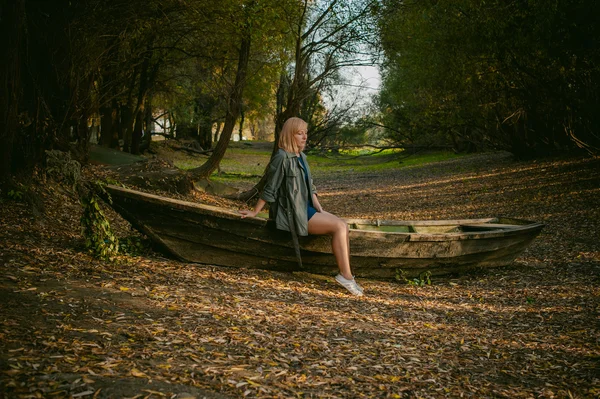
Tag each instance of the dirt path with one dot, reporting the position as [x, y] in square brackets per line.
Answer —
[107, 156]
[73, 326]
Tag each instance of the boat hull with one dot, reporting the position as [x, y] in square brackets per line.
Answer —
[379, 249]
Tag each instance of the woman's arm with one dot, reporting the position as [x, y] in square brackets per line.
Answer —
[315, 200]
[260, 204]
[269, 193]
[274, 177]
[316, 203]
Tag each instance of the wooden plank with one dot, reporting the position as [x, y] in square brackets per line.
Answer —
[381, 222]
[491, 226]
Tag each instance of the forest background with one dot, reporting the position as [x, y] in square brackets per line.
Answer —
[513, 85]
[467, 75]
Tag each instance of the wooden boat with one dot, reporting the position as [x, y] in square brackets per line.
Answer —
[379, 248]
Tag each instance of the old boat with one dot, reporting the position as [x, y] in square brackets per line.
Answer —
[379, 248]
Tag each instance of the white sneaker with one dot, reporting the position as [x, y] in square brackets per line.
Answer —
[358, 285]
[350, 285]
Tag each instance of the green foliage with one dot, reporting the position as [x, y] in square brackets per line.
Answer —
[15, 195]
[346, 135]
[522, 76]
[530, 300]
[61, 167]
[96, 230]
[99, 238]
[198, 96]
[113, 182]
[133, 246]
[421, 281]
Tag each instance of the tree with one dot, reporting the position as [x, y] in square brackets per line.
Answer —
[233, 110]
[11, 36]
[327, 36]
[114, 59]
[253, 22]
[139, 49]
[507, 75]
[109, 58]
[48, 106]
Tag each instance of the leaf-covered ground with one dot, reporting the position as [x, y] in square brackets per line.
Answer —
[151, 327]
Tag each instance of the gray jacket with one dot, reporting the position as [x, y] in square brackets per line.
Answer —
[285, 175]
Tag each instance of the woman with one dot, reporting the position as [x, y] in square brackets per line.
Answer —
[290, 181]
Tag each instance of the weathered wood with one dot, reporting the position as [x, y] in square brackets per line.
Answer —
[379, 249]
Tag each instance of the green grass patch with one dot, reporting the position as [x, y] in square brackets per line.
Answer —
[246, 162]
[239, 159]
[386, 160]
[370, 152]
[187, 164]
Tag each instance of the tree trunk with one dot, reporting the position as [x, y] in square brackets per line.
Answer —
[147, 77]
[128, 113]
[217, 134]
[126, 126]
[172, 125]
[107, 130]
[233, 111]
[88, 109]
[136, 134]
[108, 116]
[241, 129]
[205, 133]
[204, 109]
[148, 121]
[11, 31]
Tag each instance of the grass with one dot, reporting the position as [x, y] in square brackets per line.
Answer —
[245, 162]
[365, 162]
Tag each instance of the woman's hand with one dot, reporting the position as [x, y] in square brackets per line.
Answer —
[245, 213]
[259, 206]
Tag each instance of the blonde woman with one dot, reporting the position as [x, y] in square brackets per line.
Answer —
[307, 213]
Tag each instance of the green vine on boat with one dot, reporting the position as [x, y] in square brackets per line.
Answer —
[99, 237]
[423, 279]
[96, 230]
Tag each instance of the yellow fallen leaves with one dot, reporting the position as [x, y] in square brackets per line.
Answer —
[269, 340]
[137, 373]
[87, 379]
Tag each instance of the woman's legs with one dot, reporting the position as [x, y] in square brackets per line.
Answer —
[326, 223]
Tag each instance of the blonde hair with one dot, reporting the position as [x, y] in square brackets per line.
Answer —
[286, 136]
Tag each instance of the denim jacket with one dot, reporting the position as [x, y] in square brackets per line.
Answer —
[285, 175]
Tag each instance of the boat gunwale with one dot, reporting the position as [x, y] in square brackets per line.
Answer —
[523, 227]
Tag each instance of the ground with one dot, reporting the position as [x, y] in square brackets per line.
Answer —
[147, 326]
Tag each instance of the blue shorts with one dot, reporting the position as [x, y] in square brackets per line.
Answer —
[311, 212]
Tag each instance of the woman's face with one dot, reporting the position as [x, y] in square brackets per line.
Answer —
[300, 136]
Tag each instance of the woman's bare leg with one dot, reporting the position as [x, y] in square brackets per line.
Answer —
[326, 223]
